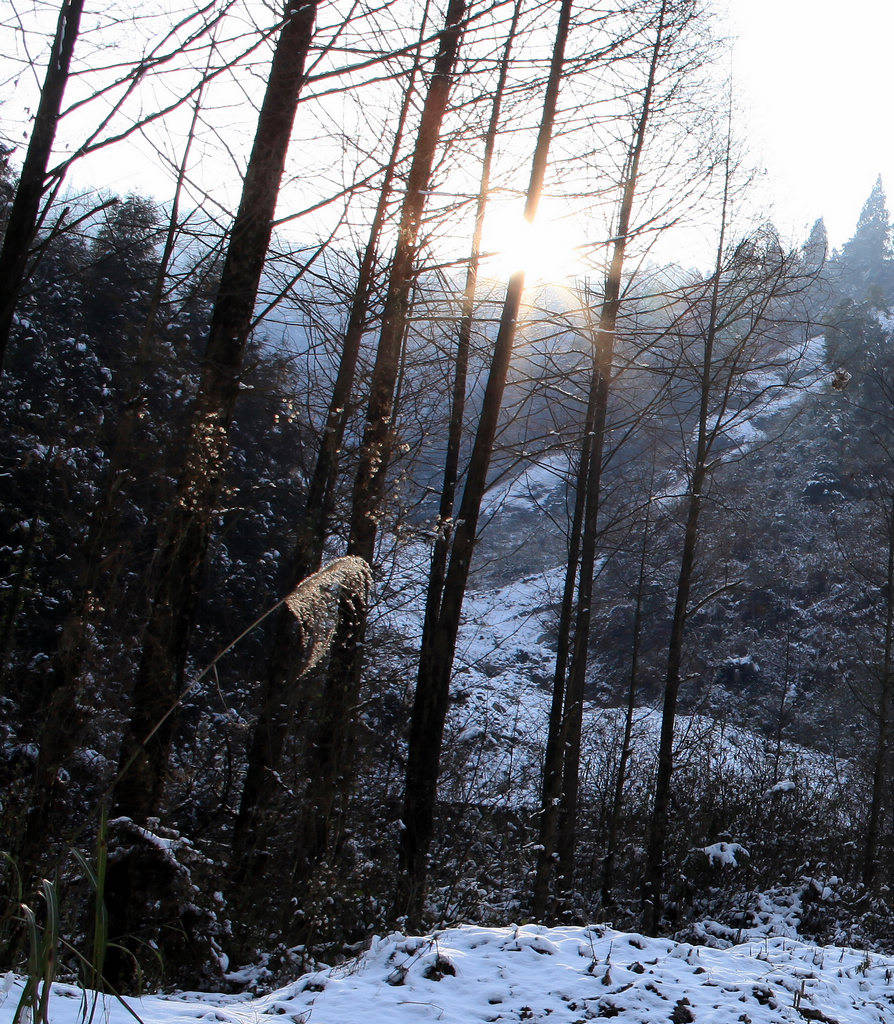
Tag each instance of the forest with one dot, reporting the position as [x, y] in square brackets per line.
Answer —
[437, 500]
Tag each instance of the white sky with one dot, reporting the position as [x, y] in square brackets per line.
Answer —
[817, 97]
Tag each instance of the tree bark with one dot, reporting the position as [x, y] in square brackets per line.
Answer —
[181, 554]
[551, 787]
[599, 395]
[432, 693]
[441, 548]
[23, 215]
[614, 821]
[375, 450]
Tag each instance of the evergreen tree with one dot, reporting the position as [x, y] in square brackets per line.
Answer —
[815, 262]
[816, 248]
[865, 265]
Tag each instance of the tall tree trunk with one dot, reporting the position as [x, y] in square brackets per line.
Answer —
[599, 395]
[439, 646]
[327, 758]
[880, 767]
[441, 547]
[375, 449]
[313, 528]
[614, 821]
[659, 822]
[574, 692]
[280, 681]
[22, 221]
[551, 786]
[181, 555]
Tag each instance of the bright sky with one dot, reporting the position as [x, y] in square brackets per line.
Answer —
[816, 92]
[815, 96]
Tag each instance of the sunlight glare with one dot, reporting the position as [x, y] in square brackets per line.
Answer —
[544, 250]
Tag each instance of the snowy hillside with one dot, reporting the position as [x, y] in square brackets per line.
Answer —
[556, 975]
[501, 696]
[506, 654]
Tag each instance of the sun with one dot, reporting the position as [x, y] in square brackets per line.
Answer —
[546, 250]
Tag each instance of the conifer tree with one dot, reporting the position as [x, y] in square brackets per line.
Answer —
[865, 265]
[816, 247]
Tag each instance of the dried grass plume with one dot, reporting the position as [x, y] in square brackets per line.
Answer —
[316, 602]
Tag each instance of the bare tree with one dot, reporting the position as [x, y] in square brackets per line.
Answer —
[327, 751]
[617, 806]
[280, 694]
[439, 644]
[746, 311]
[563, 745]
[447, 502]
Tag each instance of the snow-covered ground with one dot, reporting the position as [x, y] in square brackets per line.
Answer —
[557, 975]
[768, 391]
[756, 409]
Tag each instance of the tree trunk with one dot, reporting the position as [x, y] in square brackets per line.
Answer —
[22, 221]
[599, 395]
[439, 646]
[441, 547]
[614, 821]
[551, 788]
[375, 450]
[659, 823]
[181, 555]
[327, 757]
[574, 693]
[278, 702]
[313, 529]
[880, 767]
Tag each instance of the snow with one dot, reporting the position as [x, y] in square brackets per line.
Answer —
[745, 661]
[785, 786]
[502, 686]
[529, 489]
[724, 855]
[776, 913]
[506, 650]
[761, 395]
[567, 975]
[774, 389]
